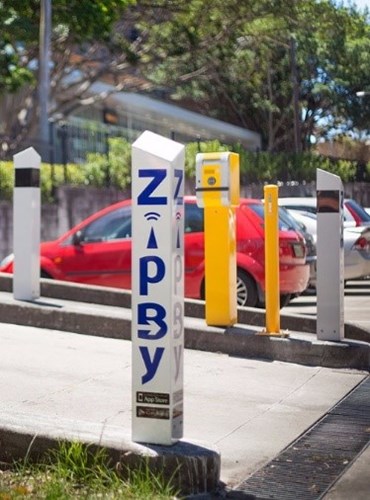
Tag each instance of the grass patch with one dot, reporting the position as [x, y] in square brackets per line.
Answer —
[76, 471]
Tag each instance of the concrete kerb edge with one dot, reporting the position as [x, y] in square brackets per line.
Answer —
[192, 467]
[241, 342]
[236, 341]
[233, 341]
[194, 308]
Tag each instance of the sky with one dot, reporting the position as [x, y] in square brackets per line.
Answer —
[361, 4]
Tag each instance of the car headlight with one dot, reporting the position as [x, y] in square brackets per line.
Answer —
[7, 260]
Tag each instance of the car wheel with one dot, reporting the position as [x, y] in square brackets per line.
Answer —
[285, 299]
[44, 274]
[246, 290]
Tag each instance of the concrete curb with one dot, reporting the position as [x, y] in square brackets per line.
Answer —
[193, 468]
[194, 308]
[240, 340]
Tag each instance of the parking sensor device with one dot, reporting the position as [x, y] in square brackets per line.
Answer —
[217, 190]
[330, 257]
[157, 289]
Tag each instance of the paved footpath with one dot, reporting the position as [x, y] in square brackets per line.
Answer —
[248, 409]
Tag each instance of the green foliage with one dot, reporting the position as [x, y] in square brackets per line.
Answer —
[239, 66]
[12, 74]
[53, 176]
[274, 167]
[75, 471]
[78, 463]
[89, 20]
[6, 180]
[113, 169]
[19, 38]
[192, 148]
[144, 483]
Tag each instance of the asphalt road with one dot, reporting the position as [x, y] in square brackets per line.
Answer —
[356, 303]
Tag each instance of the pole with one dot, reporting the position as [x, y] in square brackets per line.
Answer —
[44, 76]
[296, 117]
[272, 281]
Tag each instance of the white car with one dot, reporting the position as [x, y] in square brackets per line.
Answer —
[294, 222]
[356, 245]
[309, 204]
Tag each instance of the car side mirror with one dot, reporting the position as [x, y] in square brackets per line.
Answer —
[77, 238]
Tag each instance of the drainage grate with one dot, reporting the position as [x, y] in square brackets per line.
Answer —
[309, 466]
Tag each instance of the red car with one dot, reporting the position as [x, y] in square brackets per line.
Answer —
[98, 251]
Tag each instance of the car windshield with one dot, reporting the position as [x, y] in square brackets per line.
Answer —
[286, 222]
[112, 226]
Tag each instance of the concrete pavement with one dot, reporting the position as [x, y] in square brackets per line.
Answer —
[243, 403]
[59, 384]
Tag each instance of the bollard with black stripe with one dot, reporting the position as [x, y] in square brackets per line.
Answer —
[26, 225]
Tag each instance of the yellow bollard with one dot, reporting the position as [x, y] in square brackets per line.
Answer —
[217, 189]
[272, 283]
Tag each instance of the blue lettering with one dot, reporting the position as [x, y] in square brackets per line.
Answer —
[179, 175]
[158, 318]
[178, 271]
[151, 365]
[145, 197]
[178, 320]
[146, 278]
[178, 356]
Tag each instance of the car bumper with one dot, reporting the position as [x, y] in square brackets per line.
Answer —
[356, 265]
[294, 279]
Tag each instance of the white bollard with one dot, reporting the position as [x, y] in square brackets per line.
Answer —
[330, 257]
[26, 225]
[157, 289]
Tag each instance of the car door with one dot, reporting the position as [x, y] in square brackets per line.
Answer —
[194, 249]
[100, 253]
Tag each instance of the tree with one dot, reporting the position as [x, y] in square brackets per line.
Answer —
[84, 49]
[237, 63]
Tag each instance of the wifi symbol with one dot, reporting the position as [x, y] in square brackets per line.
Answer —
[152, 216]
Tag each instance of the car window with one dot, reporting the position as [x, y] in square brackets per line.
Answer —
[259, 209]
[194, 218]
[289, 222]
[303, 208]
[112, 226]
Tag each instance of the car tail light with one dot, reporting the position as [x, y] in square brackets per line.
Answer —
[362, 244]
[289, 251]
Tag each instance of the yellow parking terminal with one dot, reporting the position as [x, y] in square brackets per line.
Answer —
[217, 190]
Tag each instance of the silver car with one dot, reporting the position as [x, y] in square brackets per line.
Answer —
[356, 245]
[309, 204]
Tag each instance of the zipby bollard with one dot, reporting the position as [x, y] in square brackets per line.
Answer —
[217, 190]
[157, 289]
[330, 257]
[272, 287]
[26, 225]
